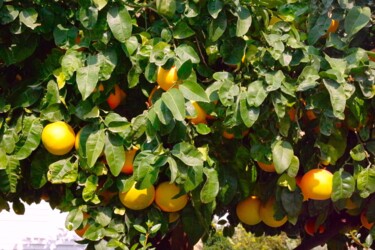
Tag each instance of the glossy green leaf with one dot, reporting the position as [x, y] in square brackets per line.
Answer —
[8, 14]
[308, 78]
[282, 155]
[62, 171]
[319, 29]
[164, 114]
[87, 77]
[210, 188]
[100, 4]
[217, 27]
[214, 7]
[356, 19]
[3, 159]
[186, 52]
[256, 93]
[29, 18]
[182, 30]
[249, 115]
[114, 154]
[120, 23]
[343, 185]
[188, 154]
[337, 97]
[89, 191]
[175, 102]
[166, 7]
[88, 17]
[32, 133]
[358, 153]
[366, 182]
[193, 91]
[185, 70]
[243, 21]
[291, 197]
[73, 219]
[94, 146]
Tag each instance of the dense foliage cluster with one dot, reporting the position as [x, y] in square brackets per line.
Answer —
[110, 109]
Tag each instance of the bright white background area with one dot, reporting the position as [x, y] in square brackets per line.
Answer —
[39, 228]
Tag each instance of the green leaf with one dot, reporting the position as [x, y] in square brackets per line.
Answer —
[358, 153]
[107, 63]
[71, 62]
[140, 229]
[193, 91]
[39, 168]
[214, 7]
[291, 197]
[188, 154]
[366, 182]
[29, 17]
[100, 4]
[116, 123]
[256, 93]
[185, 70]
[88, 17]
[166, 7]
[182, 30]
[337, 97]
[175, 102]
[114, 154]
[9, 177]
[343, 185]
[356, 19]
[164, 114]
[94, 232]
[74, 219]
[249, 115]
[308, 78]
[319, 29]
[160, 53]
[155, 228]
[233, 50]
[186, 52]
[282, 155]
[94, 145]
[89, 191]
[120, 23]
[211, 187]
[104, 216]
[3, 159]
[8, 14]
[87, 77]
[32, 134]
[130, 46]
[62, 171]
[243, 21]
[217, 27]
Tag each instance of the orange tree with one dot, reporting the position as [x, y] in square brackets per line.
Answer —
[201, 94]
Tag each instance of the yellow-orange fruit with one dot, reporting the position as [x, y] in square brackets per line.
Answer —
[58, 138]
[267, 213]
[164, 197]
[167, 78]
[316, 184]
[248, 210]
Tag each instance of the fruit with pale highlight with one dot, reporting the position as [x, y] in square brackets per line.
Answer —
[167, 78]
[267, 167]
[129, 158]
[165, 197]
[316, 184]
[267, 213]
[137, 199]
[58, 138]
[248, 210]
[116, 97]
[200, 114]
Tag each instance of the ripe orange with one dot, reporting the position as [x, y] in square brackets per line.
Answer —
[316, 184]
[200, 114]
[267, 167]
[76, 142]
[167, 78]
[82, 229]
[230, 136]
[129, 157]
[311, 228]
[365, 223]
[137, 199]
[292, 114]
[173, 217]
[58, 138]
[164, 197]
[248, 210]
[310, 115]
[116, 97]
[333, 27]
[267, 213]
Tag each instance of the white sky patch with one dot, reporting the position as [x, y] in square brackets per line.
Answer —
[39, 228]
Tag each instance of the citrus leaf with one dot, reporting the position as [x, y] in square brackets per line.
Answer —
[88, 17]
[175, 102]
[337, 97]
[366, 182]
[63, 171]
[249, 115]
[186, 52]
[188, 154]
[89, 191]
[166, 7]
[214, 7]
[9, 177]
[87, 79]
[256, 93]
[3, 159]
[114, 154]
[193, 91]
[182, 30]
[343, 185]
[358, 153]
[210, 188]
[94, 146]
[120, 23]
[217, 27]
[29, 17]
[243, 21]
[74, 219]
[356, 19]
[282, 155]
[32, 134]
[100, 4]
